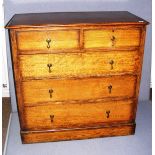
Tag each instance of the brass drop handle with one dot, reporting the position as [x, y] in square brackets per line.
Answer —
[111, 63]
[50, 92]
[48, 43]
[110, 88]
[113, 40]
[49, 67]
[108, 113]
[52, 118]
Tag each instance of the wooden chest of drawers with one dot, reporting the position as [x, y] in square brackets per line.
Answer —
[77, 75]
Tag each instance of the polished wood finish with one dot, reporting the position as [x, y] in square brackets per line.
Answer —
[111, 38]
[78, 64]
[38, 40]
[74, 18]
[37, 91]
[47, 136]
[77, 115]
[77, 75]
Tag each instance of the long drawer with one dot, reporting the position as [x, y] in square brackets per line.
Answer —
[110, 38]
[47, 40]
[42, 91]
[55, 116]
[84, 64]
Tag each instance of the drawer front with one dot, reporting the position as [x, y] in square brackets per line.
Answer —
[111, 38]
[48, 40]
[42, 91]
[77, 115]
[86, 64]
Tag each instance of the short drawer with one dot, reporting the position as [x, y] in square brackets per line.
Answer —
[77, 115]
[108, 38]
[75, 65]
[47, 40]
[42, 91]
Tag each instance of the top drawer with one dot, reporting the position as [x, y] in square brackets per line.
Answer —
[47, 40]
[108, 38]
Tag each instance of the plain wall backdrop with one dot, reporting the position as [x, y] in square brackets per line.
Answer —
[141, 8]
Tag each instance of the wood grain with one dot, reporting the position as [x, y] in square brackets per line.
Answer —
[77, 115]
[101, 38]
[88, 53]
[78, 64]
[36, 40]
[17, 77]
[47, 136]
[36, 91]
[141, 51]
[74, 18]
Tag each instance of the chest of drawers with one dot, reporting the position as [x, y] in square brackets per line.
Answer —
[77, 75]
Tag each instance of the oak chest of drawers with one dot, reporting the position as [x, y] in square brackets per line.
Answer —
[77, 75]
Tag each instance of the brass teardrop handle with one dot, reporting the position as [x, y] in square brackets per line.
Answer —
[111, 63]
[108, 113]
[50, 92]
[48, 43]
[110, 89]
[52, 118]
[113, 40]
[49, 67]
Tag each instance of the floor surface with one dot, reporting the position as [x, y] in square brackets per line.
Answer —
[6, 110]
[138, 144]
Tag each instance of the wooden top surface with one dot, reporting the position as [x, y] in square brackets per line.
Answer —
[73, 18]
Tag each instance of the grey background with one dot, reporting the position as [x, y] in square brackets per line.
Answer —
[141, 8]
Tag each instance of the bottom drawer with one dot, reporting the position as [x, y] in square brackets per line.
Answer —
[70, 134]
[54, 116]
